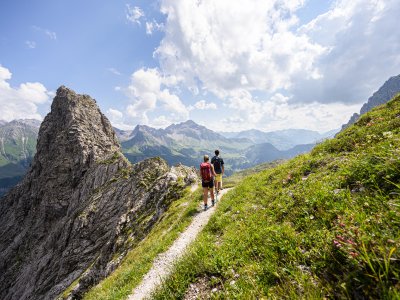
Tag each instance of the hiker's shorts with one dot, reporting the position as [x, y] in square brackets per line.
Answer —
[209, 184]
[218, 178]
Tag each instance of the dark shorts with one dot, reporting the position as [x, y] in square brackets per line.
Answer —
[209, 184]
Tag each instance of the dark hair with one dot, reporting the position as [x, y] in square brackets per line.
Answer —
[216, 152]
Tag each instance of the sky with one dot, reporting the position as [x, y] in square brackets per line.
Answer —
[229, 65]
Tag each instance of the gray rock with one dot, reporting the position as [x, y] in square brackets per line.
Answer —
[81, 206]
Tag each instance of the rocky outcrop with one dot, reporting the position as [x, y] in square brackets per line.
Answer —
[385, 93]
[80, 207]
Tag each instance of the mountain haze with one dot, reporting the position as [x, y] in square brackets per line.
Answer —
[282, 139]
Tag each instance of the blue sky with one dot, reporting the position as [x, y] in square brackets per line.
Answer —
[229, 65]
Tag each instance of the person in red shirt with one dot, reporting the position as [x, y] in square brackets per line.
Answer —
[207, 174]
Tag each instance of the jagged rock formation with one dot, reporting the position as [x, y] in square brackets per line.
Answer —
[386, 92]
[80, 207]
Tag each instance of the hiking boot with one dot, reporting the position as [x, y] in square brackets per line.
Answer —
[205, 207]
[212, 202]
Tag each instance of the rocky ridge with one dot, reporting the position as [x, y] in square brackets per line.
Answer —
[80, 207]
[386, 92]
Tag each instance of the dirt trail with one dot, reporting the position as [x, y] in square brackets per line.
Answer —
[164, 262]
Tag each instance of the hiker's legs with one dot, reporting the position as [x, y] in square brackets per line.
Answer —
[218, 180]
[211, 189]
[205, 195]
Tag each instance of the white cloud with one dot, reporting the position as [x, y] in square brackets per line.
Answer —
[270, 115]
[134, 14]
[21, 102]
[114, 71]
[227, 44]
[153, 26]
[114, 115]
[149, 92]
[203, 105]
[315, 75]
[30, 44]
[50, 34]
[363, 51]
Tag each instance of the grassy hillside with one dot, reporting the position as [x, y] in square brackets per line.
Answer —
[322, 225]
[238, 177]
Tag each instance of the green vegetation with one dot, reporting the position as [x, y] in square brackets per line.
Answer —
[322, 225]
[238, 177]
[139, 260]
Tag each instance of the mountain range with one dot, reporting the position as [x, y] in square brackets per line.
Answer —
[184, 143]
[187, 142]
[282, 139]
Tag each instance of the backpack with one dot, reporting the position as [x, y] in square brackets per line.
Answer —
[205, 171]
[216, 161]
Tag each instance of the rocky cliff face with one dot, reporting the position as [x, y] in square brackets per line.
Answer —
[81, 206]
[385, 93]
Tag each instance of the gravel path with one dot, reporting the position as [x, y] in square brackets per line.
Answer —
[164, 262]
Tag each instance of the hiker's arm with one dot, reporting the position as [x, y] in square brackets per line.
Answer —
[223, 169]
[213, 171]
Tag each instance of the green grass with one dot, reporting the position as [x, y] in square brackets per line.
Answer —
[139, 260]
[322, 225]
[238, 177]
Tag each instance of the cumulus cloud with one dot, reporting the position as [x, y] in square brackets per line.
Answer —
[149, 90]
[364, 49]
[227, 45]
[270, 115]
[21, 102]
[267, 69]
[134, 14]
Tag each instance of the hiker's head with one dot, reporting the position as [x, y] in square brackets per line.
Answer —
[206, 158]
[216, 152]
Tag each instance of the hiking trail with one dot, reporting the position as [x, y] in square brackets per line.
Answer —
[163, 263]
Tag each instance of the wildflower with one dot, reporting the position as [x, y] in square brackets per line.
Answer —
[339, 237]
[337, 244]
[351, 242]
[353, 254]
[388, 134]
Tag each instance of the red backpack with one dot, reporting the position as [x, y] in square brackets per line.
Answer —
[205, 171]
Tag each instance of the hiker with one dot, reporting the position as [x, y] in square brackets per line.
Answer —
[207, 174]
[218, 164]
